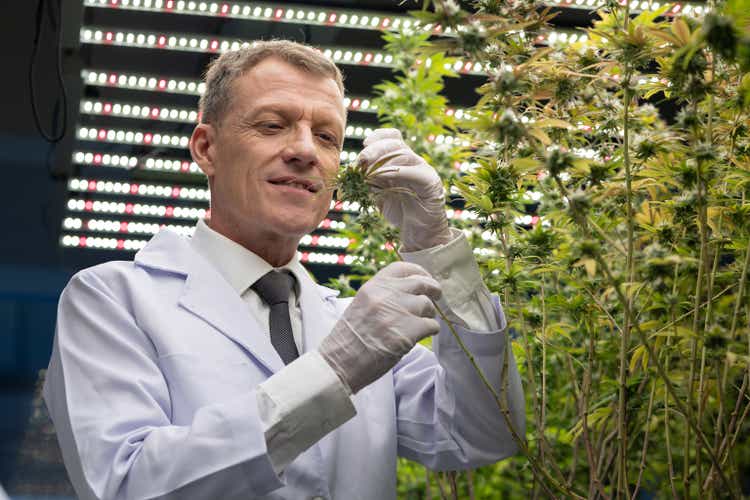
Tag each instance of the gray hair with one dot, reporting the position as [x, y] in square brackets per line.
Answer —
[225, 69]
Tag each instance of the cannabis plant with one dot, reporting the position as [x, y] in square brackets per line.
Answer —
[609, 183]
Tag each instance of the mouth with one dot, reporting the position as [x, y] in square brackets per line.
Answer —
[300, 183]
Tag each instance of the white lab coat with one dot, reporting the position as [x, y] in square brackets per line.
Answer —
[151, 387]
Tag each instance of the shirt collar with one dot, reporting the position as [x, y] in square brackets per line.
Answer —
[239, 266]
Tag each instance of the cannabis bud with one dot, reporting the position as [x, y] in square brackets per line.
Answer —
[721, 35]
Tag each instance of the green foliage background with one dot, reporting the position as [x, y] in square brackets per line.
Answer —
[628, 299]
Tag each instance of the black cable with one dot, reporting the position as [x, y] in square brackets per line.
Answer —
[49, 137]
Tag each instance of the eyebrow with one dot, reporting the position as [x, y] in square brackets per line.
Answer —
[324, 117]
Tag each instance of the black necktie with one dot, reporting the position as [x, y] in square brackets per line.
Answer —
[274, 289]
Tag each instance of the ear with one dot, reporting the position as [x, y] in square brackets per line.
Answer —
[202, 148]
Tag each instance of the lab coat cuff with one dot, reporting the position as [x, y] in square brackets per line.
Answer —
[300, 404]
[479, 343]
[465, 299]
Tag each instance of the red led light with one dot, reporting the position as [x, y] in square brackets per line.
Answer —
[326, 223]
[134, 189]
[431, 137]
[107, 107]
[123, 227]
[88, 206]
[109, 36]
[341, 259]
[175, 192]
[169, 212]
[332, 18]
[278, 13]
[368, 58]
[161, 41]
[355, 103]
[128, 208]
[148, 138]
[82, 241]
[185, 166]
[170, 5]
[305, 256]
[112, 79]
[113, 3]
[386, 22]
[162, 84]
[97, 158]
[534, 220]
[120, 244]
[388, 245]
[676, 8]
[102, 134]
[338, 205]
[314, 240]
[154, 112]
[224, 9]
[214, 45]
[467, 66]
[92, 186]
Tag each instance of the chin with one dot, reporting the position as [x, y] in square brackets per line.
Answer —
[296, 227]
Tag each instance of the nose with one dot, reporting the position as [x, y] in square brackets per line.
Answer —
[301, 150]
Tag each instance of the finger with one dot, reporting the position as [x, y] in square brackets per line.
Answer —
[401, 269]
[383, 133]
[418, 305]
[423, 286]
[427, 328]
[417, 176]
[394, 150]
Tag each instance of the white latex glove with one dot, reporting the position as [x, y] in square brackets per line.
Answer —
[418, 213]
[388, 316]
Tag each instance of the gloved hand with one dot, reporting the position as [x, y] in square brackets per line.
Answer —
[419, 213]
[389, 314]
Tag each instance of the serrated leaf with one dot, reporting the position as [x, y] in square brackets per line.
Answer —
[681, 30]
[639, 354]
[540, 135]
[553, 123]
[525, 163]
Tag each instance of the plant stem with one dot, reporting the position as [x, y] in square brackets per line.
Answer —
[543, 338]
[642, 465]
[628, 305]
[668, 382]
[503, 407]
[696, 318]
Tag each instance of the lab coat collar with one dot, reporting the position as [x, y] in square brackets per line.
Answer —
[209, 296]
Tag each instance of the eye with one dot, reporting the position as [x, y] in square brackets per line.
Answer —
[328, 138]
[271, 126]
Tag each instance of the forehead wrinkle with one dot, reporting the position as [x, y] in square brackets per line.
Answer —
[265, 87]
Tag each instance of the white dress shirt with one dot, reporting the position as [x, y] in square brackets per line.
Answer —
[308, 387]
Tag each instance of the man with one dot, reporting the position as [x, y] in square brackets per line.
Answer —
[179, 375]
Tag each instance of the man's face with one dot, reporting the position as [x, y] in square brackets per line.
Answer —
[273, 153]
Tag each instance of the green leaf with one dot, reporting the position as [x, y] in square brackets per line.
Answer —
[553, 122]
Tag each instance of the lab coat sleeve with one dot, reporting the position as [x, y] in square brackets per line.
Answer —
[111, 407]
[465, 299]
[446, 418]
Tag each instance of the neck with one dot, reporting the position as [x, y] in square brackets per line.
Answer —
[275, 249]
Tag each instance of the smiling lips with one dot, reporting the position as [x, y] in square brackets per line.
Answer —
[297, 182]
